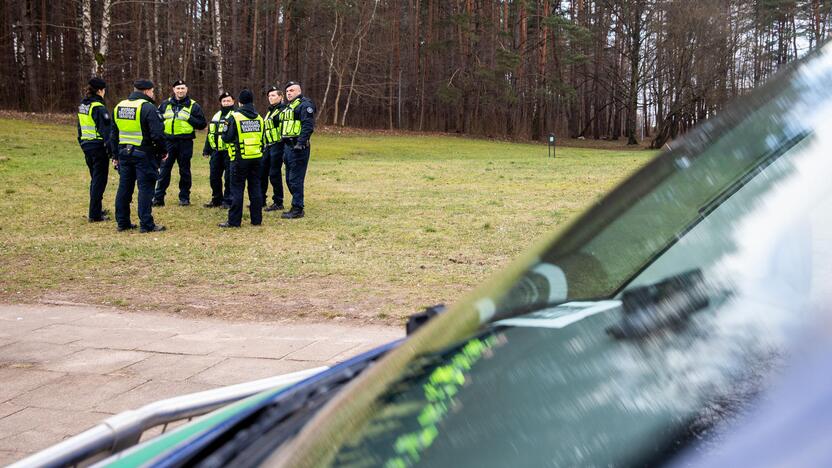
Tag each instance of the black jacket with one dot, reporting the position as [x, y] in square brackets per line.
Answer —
[229, 135]
[103, 124]
[197, 118]
[153, 131]
[305, 112]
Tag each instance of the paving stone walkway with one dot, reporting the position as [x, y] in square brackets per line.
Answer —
[64, 368]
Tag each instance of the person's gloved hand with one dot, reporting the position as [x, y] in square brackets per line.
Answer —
[299, 146]
[205, 154]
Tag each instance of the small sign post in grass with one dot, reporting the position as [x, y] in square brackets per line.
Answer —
[552, 145]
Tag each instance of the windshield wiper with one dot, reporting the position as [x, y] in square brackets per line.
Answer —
[665, 304]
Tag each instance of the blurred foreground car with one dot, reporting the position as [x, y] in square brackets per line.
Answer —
[639, 334]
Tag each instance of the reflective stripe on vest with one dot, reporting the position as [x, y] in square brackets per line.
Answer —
[127, 116]
[249, 137]
[88, 130]
[272, 133]
[215, 130]
[289, 127]
[176, 122]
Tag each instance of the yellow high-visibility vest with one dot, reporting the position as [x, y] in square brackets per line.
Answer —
[88, 130]
[289, 127]
[127, 116]
[176, 123]
[215, 130]
[272, 134]
[249, 144]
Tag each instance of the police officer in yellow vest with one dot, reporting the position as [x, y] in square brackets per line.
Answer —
[297, 122]
[182, 115]
[94, 127]
[138, 140]
[219, 163]
[273, 153]
[243, 134]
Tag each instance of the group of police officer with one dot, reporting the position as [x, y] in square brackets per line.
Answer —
[244, 148]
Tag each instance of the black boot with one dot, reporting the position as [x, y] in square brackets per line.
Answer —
[155, 228]
[294, 213]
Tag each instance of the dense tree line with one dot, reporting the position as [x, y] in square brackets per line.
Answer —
[504, 68]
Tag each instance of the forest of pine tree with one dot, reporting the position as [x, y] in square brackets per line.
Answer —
[609, 69]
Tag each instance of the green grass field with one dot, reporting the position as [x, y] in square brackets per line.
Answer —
[393, 223]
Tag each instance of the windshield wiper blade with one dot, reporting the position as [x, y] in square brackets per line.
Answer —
[665, 304]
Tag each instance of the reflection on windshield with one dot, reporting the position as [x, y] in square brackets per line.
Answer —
[415, 408]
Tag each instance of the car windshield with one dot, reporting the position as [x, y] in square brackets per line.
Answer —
[650, 322]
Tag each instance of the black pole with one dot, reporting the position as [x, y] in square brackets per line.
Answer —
[552, 149]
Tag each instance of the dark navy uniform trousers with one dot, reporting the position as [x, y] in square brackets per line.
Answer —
[99, 166]
[245, 171]
[180, 152]
[220, 166]
[270, 172]
[296, 162]
[136, 168]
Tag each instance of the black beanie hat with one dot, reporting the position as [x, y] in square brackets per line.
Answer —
[246, 97]
[225, 94]
[143, 84]
[97, 83]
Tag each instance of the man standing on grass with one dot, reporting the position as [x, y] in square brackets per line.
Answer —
[139, 141]
[94, 128]
[219, 163]
[243, 134]
[297, 122]
[182, 115]
[273, 153]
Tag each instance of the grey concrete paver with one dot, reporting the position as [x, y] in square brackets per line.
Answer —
[322, 351]
[7, 341]
[7, 457]
[33, 439]
[65, 368]
[33, 353]
[96, 361]
[10, 330]
[78, 391]
[44, 314]
[149, 392]
[355, 351]
[238, 370]
[16, 381]
[170, 367]
[126, 338]
[60, 334]
[189, 343]
[261, 347]
[8, 408]
[59, 421]
[110, 338]
[107, 318]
